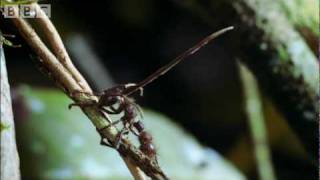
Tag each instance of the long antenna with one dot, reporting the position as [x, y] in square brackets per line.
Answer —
[177, 60]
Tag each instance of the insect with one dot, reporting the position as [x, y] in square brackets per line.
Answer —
[116, 100]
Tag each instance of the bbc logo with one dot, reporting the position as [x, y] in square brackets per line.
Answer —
[25, 11]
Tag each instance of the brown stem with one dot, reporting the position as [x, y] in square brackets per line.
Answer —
[58, 47]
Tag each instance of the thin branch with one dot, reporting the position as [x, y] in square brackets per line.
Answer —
[47, 58]
[65, 79]
[58, 47]
[137, 173]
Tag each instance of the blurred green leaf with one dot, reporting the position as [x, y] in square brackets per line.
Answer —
[57, 143]
[17, 2]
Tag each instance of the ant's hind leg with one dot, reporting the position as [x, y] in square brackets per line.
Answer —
[119, 137]
[133, 130]
[104, 141]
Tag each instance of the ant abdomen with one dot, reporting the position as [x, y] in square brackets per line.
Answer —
[146, 145]
[149, 150]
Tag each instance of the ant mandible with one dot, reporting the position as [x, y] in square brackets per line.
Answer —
[119, 95]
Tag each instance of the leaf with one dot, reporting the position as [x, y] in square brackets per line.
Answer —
[18, 2]
[63, 144]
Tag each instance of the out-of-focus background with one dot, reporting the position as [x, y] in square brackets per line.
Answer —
[198, 112]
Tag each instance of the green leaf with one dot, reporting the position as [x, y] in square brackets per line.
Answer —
[18, 2]
[59, 143]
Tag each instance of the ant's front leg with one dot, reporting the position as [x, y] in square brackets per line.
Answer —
[112, 110]
[134, 130]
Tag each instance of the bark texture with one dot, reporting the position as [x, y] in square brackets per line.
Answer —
[10, 169]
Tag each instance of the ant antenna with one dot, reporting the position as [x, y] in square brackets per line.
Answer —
[177, 60]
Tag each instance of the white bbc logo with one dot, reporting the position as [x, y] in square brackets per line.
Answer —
[25, 11]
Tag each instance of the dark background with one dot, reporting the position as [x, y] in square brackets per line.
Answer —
[133, 38]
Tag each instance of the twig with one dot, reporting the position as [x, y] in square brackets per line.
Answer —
[47, 58]
[257, 123]
[58, 47]
[134, 169]
[65, 79]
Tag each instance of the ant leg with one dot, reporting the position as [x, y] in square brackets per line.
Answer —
[131, 127]
[118, 139]
[105, 116]
[114, 123]
[139, 110]
[116, 111]
[112, 111]
[104, 141]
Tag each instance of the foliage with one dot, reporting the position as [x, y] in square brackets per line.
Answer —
[62, 144]
[303, 13]
[17, 2]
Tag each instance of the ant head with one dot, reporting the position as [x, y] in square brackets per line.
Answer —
[112, 96]
[111, 100]
[114, 91]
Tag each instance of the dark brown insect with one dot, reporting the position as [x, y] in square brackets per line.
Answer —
[146, 141]
[115, 100]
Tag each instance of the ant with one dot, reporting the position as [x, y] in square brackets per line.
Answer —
[119, 95]
[145, 139]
